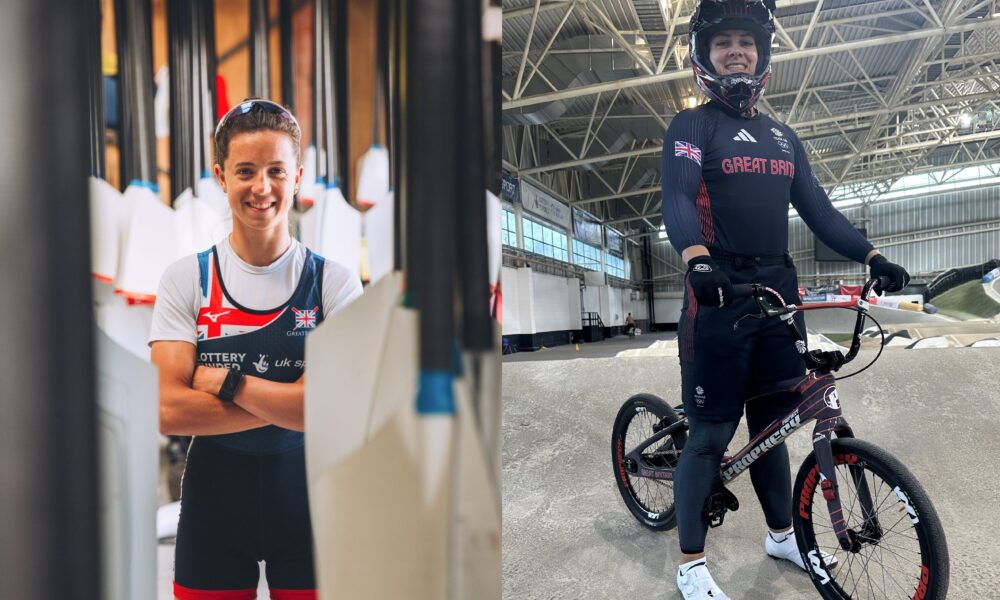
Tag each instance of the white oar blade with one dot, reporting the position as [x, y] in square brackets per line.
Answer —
[209, 192]
[373, 177]
[379, 236]
[308, 166]
[476, 513]
[493, 215]
[128, 442]
[105, 230]
[150, 248]
[341, 232]
[344, 357]
[383, 500]
[184, 217]
[313, 200]
[127, 325]
[373, 512]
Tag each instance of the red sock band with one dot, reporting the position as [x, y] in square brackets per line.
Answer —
[293, 594]
[183, 593]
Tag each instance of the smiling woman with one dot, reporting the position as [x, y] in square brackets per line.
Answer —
[733, 51]
[238, 308]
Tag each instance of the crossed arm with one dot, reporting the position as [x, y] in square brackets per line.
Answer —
[189, 406]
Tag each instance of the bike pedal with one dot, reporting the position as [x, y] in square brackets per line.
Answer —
[732, 503]
[717, 505]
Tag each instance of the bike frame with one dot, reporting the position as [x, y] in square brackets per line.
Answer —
[817, 400]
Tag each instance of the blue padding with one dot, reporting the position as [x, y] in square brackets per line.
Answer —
[203, 258]
[333, 183]
[205, 174]
[437, 394]
[146, 184]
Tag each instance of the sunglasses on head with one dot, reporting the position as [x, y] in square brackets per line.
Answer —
[247, 105]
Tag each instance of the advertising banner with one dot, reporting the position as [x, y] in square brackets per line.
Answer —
[508, 188]
[586, 228]
[614, 242]
[538, 202]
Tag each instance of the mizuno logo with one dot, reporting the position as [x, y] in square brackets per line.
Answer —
[215, 318]
[744, 136]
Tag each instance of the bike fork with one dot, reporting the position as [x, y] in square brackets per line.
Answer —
[849, 539]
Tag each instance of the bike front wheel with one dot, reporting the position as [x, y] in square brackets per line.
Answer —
[651, 501]
[899, 548]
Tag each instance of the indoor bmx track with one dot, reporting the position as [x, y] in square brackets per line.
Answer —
[567, 533]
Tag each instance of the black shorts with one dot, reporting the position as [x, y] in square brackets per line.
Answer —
[720, 364]
[238, 509]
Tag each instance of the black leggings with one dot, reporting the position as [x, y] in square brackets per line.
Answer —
[238, 509]
[697, 473]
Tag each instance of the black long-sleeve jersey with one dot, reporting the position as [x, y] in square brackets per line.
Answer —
[728, 181]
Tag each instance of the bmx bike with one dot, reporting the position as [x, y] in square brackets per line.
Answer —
[851, 499]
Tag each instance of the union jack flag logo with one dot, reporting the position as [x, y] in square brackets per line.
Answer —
[688, 150]
[306, 318]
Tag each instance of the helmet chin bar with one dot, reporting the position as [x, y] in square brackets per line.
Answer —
[736, 92]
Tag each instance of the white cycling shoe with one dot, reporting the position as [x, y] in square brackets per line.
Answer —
[783, 546]
[696, 583]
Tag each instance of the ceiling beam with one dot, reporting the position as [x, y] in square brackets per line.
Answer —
[882, 40]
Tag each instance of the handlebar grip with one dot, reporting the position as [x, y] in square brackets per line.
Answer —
[883, 283]
[742, 290]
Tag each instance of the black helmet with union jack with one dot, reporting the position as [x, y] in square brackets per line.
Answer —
[738, 91]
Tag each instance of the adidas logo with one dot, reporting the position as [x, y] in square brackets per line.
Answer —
[744, 136]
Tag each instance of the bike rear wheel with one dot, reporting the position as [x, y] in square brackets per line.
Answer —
[651, 501]
[901, 548]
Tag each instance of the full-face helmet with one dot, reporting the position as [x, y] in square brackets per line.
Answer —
[738, 91]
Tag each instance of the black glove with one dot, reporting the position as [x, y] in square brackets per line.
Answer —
[881, 267]
[710, 285]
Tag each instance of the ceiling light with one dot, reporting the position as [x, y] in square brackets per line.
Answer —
[965, 121]
[692, 102]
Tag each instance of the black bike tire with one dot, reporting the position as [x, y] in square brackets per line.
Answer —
[655, 520]
[930, 534]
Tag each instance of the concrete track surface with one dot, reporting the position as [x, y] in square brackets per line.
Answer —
[567, 533]
[842, 320]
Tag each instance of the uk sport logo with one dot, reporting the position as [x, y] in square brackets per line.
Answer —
[688, 150]
[305, 318]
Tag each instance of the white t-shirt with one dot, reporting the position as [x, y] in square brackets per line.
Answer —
[260, 288]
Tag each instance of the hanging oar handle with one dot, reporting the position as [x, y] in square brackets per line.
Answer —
[477, 326]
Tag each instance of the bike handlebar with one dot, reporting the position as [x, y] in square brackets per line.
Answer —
[815, 359]
[746, 290]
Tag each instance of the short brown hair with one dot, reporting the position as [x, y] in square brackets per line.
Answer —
[255, 119]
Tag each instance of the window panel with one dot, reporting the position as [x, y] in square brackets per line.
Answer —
[544, 240]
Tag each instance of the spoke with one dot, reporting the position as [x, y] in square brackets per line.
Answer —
[898, 562]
